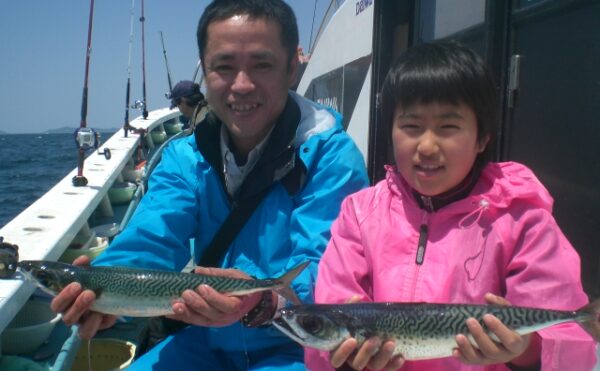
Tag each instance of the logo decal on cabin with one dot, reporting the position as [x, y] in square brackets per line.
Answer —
[339, 88]
[362, 5]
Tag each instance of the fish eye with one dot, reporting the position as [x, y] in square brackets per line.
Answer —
[42, 277]
[287, 313]
[312, 325]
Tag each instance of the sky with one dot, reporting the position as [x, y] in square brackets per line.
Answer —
[43, 50]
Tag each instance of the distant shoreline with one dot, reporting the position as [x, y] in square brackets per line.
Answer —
[63, 130]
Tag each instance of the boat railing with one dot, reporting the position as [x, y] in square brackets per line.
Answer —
[45, 229]
[143, 183]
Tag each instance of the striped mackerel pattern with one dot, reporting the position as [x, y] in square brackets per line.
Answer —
[160, 283]
[434, 320]
[132, 282]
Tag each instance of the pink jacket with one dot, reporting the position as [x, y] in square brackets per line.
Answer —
[501, 239]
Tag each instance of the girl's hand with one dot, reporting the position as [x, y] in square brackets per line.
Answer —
[517, 349]
[372, 353]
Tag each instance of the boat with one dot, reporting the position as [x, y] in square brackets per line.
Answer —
[543, 55]
[68, 221]
[543, 104]
[80, 215]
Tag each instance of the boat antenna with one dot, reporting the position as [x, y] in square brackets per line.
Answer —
[85, 138]
[128, 90]
[166, 64]
[144, 110]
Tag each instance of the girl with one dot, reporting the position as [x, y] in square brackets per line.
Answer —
[447, 226]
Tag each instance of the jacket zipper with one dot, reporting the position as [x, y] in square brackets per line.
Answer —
[423, 234]
[420, 256]
[424, 230]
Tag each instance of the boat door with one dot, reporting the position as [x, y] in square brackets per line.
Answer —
[393, 24]
[552, 115]
[544, 55]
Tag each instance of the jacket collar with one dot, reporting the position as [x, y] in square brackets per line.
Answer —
[460, 191]
[276, 160]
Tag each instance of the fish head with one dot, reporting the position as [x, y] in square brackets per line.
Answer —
[312, 326]
[50, 276]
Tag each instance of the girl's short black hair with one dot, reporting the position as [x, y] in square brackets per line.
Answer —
[443, 71]
[271, 10]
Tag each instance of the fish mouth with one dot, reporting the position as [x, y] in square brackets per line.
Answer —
[284, 327]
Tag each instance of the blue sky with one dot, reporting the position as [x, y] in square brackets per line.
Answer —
[43, 48]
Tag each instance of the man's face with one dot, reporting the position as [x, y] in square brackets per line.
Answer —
[186, 110]
[247, 76]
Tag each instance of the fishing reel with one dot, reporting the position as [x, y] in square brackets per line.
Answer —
[138, 104]
[87, 139]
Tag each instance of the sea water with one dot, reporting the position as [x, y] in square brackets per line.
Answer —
[30, 164]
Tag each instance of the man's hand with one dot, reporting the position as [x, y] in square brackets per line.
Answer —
[511, 348]
[372, 353]
[207, 307]
[74, 304]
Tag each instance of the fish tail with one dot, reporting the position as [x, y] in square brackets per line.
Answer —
[283, 288]
[591, 324]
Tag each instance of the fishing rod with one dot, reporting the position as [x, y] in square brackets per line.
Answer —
[312, 26]
[144, 110]
[138, 104]
[85, 138]
[196, 73]
[167, 65]
[126, 126]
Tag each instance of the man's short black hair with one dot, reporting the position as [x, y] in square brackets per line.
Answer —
[272, 10]
[447, 72]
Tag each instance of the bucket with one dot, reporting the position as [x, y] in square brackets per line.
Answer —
[106, 230]
[16, 363]
[158, 137]
[133, 175]
[121, 193]
[30, 328]
[95, 248]
[173, 127]
[106, 354]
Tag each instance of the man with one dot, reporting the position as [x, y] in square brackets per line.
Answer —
[186, 96]
[259, 137]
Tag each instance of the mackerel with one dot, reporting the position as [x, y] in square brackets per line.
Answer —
[132, 292]
[420, 331]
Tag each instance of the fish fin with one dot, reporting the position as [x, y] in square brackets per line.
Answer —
[592, 324]
[285, 281]
[289, 294]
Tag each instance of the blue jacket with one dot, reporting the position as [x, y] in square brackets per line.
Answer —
[187, 199]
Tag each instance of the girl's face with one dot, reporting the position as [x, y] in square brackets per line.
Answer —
[435, 145]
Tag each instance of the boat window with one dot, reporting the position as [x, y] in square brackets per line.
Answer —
[339, 88]
[443, 18]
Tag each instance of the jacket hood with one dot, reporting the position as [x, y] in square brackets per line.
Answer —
[500, 184]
